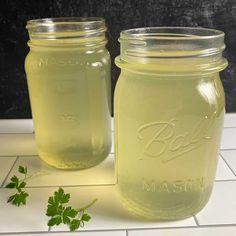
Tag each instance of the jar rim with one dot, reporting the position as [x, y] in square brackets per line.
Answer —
[67, 28]
[188, 48]
[171, 33]
[65, 20]
[169, 42]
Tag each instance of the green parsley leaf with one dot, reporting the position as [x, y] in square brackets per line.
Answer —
[22, 185]
[52, 210]
[61, 197]
[74, 225]
[15, 180]
[11, 185]
[55, 221]
[22, 170]
[11, 198]
[59, 212]
[85, 217]
[68, 213]
[19, 198]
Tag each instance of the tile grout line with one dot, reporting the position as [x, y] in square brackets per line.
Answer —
[196, 220]
[20, 155]
[36, 155]
[120, 229]
[160, 228]
[69, 186]
[229, 127]
[225, 180]
[228, 164]
[187, 227]
[61, 232]
[29, 232]
[33, 132]
[227, 149]
[14, 133]
[5, 179]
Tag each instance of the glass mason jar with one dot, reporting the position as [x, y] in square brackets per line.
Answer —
[169, 112]
[68, 75]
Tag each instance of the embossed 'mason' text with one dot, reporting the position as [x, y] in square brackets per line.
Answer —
[178, 186]
[58, 62]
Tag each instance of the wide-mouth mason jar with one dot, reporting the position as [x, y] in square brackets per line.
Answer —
[68, 75]
[169, 111]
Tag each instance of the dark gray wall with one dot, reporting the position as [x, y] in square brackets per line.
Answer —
[120, 14]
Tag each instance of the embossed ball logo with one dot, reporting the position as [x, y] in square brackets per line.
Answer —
[164, 140]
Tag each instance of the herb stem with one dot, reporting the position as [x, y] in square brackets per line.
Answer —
[87, 206]
[29, 176]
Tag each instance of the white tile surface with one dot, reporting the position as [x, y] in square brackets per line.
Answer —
[23, 144]
[221, 208]
[223, 171]
[108, 212]
[108, 215]
[215, 231]
[27, 218]
[16, 126]
[101, 233]
[26, 126]
[228, 138]
[44, 175]
[5, 166]
[17, 144]
[230, 120]
[230, 158]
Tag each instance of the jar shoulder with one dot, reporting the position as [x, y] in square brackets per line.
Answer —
[202, 93]
[41, 60]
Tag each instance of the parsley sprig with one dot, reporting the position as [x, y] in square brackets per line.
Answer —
[19, 198]
[57, 209]
[59, 212]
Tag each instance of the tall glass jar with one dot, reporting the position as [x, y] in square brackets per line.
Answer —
[68, 75]
[169, 112]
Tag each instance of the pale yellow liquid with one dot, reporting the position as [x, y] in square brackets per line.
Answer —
[167, 136]
[70, 100]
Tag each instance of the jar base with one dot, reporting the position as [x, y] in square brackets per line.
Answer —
[144, 213]
[74, 162]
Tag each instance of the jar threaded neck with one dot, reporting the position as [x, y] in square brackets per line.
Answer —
[199, 48]
[67, 30]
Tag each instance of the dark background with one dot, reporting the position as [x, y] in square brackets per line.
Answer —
[120, 14]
